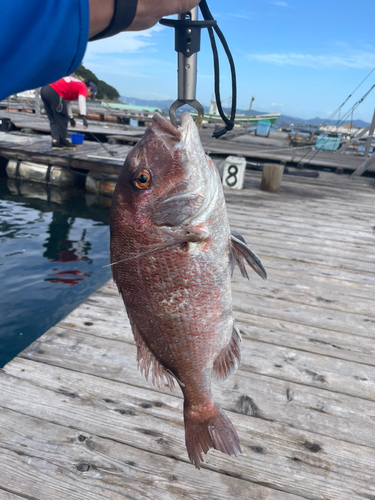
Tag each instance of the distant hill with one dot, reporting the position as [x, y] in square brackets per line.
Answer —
[164, 105]
[105, 91]
[319, 121]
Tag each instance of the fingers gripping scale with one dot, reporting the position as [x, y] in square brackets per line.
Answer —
[187, 44]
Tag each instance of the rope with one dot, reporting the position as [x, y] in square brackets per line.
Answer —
[347, 99]
[346, 115]
[229, 123]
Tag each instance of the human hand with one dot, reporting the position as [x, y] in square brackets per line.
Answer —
[84, 121]
[149, 12]
[72, 122]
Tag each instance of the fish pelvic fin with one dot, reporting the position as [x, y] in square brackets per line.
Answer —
[208, 427]
[148, 365]
[228, 361]
[241, 254]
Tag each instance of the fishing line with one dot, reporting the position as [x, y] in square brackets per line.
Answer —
[100, 142]
[350, 112]
[141, 254]
[347, 99]
[338, 124]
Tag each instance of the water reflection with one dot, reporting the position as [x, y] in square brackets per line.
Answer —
[60, 248]
[61, 277]
[54, 245]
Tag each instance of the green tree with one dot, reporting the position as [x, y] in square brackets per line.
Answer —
[105, 91]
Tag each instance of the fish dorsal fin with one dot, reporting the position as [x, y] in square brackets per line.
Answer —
[240, 254]
[227, 362]
[148, 365]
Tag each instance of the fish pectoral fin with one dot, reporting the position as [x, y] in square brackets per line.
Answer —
[240, 254]
[148, 365]
[175, 237]
[227, 362]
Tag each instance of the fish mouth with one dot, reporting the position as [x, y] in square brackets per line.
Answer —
[173, 137]
[186, 121]
[170, 135]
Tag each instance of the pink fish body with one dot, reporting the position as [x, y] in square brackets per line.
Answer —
[172, 255]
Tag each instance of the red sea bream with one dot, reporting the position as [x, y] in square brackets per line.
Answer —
[172, 256]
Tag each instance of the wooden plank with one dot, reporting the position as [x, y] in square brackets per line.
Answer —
[291, 212]
[314, 284]
[277, 227]
[324, 299]
[58, 461]
[263, 296]
[267, 385]
[26, 120]
[267, 306]
[95, 320]
[263, 150]
[303, 400]
[7, 495]
[272, 454]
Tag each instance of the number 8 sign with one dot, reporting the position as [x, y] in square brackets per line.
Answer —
[234, 172]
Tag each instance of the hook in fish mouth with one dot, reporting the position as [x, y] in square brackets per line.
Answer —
[174, 138]
[181, 102]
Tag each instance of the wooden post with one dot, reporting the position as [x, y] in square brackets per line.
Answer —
[369, 139]
[351, 141]
[271, 177]
[37, 102]
[251, 103]
[365, 165]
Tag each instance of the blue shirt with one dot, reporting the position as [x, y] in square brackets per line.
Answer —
[40, 42]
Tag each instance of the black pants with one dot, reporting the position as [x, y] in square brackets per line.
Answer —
[56, 111]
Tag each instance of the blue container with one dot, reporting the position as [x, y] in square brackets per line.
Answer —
[263, 127]
[361, 149]
[76, 138]
[327, 143]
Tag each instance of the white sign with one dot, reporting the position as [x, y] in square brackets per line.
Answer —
[234, 172]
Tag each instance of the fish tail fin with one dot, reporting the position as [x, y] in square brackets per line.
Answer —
[207, 428]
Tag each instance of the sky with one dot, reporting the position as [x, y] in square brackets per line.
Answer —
[301, 59]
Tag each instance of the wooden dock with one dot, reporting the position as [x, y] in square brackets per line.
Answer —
[79, 422]
[237, 142]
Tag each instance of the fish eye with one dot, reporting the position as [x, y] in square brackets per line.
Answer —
[142, 178]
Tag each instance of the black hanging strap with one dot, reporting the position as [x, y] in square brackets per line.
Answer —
[229, 123]
[123, 15]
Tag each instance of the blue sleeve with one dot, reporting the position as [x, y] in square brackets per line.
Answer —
[40, 41]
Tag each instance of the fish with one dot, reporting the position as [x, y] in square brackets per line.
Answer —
[172, 257]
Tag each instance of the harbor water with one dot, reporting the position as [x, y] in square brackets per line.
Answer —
[53, 246]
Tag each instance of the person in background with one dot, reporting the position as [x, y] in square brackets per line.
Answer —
[61, 29]
[57, 99]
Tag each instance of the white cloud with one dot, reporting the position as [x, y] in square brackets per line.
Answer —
[139, 68]
[279, 4]
[126, 42]
[242, 16]
[359, 59]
